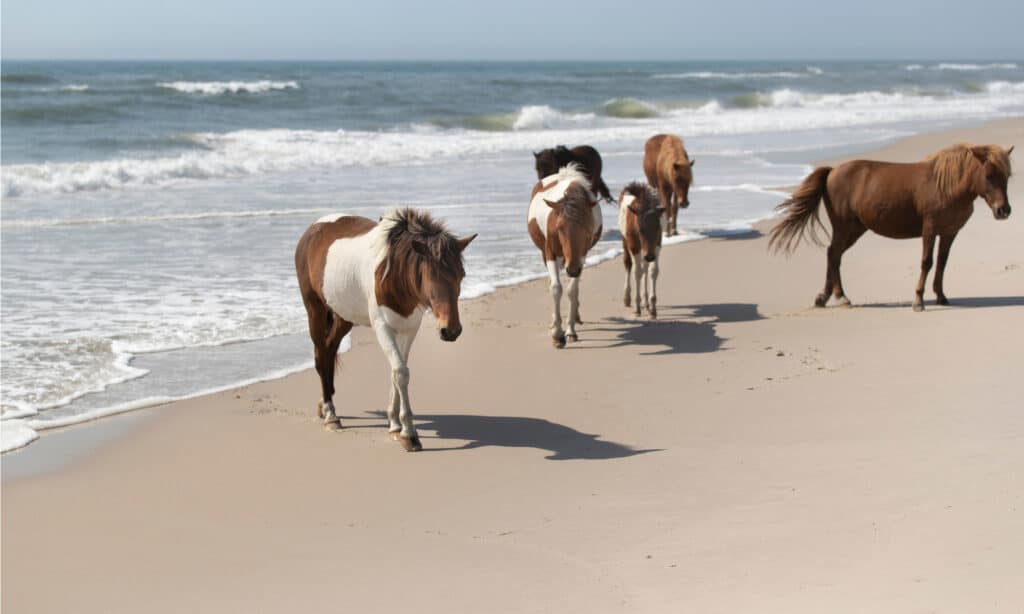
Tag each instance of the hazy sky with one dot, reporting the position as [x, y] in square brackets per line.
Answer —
[528, 29]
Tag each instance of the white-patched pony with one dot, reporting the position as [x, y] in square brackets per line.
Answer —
[354, 271]
[564, 222]
[640, 222]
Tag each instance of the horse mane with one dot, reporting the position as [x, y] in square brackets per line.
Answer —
[409, 237]
[949, 165]
[573, 171]
[643, 194]
[578, 198]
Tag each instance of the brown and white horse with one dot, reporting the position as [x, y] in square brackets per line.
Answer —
[640, 217]
[564, 222]
[548, 161]
[354, 271]
[928, 199]
[669, 170]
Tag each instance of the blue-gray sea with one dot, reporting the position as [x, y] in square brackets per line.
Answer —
[150, 210]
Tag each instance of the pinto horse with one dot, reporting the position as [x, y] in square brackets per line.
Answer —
[354, 271]
[640, 225]
[928, 199]
[548, 161]
[564, 222]
[669, 169]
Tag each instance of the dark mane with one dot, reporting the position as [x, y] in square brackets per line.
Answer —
[576, 205]
[414, 237]
[645, 195]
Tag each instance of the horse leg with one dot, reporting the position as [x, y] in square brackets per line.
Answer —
[652, 272]
[339, 328]
[392, 343]
[840, 243]
[645, 268]
[637, 273]
[557, 334]
[628, 261]
[665, 192]
[945, 243]
[321, 325]
[928, 246]
[574, 308]
[404, 343]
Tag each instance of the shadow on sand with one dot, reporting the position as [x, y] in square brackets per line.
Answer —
[562, 442]
[679, 329]
[967, 301]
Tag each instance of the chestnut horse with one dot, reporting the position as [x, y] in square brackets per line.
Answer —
[640, 225]
[564, 222]
[548, 161]
[354, 271]
[669, 170]
[928, 199]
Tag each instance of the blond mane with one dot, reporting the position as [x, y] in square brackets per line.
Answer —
[951, 164]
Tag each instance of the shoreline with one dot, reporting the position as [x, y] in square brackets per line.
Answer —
[593, 260]
[744, 452]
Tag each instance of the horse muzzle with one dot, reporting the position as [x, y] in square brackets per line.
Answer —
[649, 257]
[1002, 212]
[574, 271]
[451, 333]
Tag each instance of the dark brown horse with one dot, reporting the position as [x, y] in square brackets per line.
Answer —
[355, 271]
[669, 170]
[928, 199]
[548, 161]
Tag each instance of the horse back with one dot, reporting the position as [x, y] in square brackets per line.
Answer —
[652, 149]
[311, 251]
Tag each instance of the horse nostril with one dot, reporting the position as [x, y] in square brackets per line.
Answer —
[649, 258]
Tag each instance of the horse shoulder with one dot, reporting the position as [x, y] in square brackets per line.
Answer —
[348, 259]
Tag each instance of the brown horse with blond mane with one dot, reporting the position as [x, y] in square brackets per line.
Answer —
[385, 275]
[928, 199]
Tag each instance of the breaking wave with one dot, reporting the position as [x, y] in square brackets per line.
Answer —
[213, 88]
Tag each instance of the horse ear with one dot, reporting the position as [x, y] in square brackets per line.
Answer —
[554, 205]
[692, 162]
[464, 242]
[1010, 150]
[535, 155]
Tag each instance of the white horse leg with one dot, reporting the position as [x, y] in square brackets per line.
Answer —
[404, 343]
[392, 343]
[557, 334]
[574, 307]
[652, 272]
[637, 272]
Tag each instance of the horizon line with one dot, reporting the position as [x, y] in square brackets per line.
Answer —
[513, 60]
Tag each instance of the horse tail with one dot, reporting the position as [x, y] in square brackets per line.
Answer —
[801, 209]
[602, 189]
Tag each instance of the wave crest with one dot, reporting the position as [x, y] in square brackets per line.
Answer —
[214, 88]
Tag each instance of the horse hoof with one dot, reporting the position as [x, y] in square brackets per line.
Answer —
[410, 444]
[821, 300]
[918, 306]
[572, 337]
[558, 342]
[333, 425]
[654, 314]
[942, 301]
[626, 302]
[844, 302]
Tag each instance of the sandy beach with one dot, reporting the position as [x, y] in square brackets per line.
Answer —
[745, 452]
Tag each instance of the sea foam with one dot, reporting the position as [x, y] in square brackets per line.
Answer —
[212, 88]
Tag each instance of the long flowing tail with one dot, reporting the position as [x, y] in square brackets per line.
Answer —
[800, 210]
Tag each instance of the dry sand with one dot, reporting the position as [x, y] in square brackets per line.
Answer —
[745, 453]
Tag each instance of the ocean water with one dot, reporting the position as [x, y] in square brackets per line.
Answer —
[150, 210]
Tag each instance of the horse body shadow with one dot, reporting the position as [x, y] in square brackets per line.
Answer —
[680, 329]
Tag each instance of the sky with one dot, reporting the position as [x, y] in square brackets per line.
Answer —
[524, 30]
